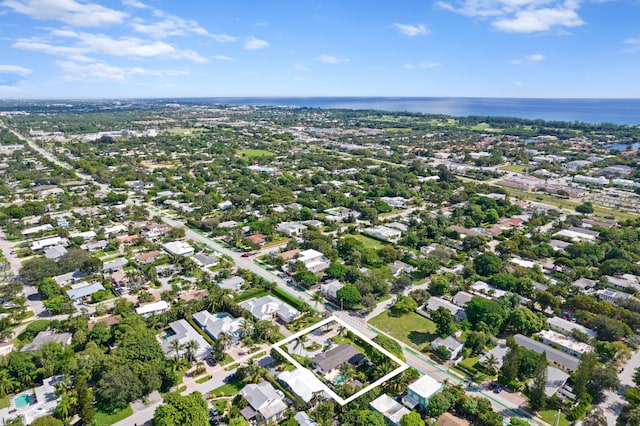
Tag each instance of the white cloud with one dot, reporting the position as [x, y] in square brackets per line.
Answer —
[329, 59]
[224, 58]
[252, 43]
[521, 16]
[528, 59]
[102, 71]
[171, 25]
[424, 64]
[135, 3]
[518, 84]
[14, 69]
[72, 12]
[633, 44]
[412, 30]
[87, 43]
[299, 78]
[8, 89]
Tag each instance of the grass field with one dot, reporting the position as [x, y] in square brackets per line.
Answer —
[255, 153]
[368, 242]
[4, 401]
[411, 328]
[518, 168]
[228, 389]
[106, 419]
[549, 416]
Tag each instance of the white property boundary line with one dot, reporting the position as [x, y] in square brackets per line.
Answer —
[402, 365]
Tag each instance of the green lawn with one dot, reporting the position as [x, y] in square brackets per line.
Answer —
[203, 379]
[514, 168]
[549, 416]
[4, 401]
[368, 242]
[228, 389]
[255, 153]
[412, 329]
[105, 419]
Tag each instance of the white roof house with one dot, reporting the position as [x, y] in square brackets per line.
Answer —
[420, 391]
[232, 283]
[330, 288]
[48, 242]
[302, 382]
[389, 408]
[291, 229]
[313, 260]
[264, 400]
[36, 229]
[268, 307]
[215, 325]
[183, 333]
[563, 326]
[153, 308]
[384, 233]
[566, 344]
[116, 229]
[178, 248]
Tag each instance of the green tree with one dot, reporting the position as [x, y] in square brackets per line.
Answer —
[487, 264]
[403, 305]
[443, 353]
[349, 295]
[486, 311]
[444, 320]
[603, 378]
[119, 387]
[47, 421]
[389, 344]
[585, 208]
[179, 410]
[411, 419]
[537, 397]
[369, 418]
[583, 373]
[85, 401]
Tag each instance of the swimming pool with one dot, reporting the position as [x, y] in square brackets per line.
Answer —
[22, 400]
[223, 315]
[339, 379]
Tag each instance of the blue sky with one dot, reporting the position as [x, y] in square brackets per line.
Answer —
[187, 48]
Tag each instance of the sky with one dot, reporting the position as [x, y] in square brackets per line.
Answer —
[235, 48]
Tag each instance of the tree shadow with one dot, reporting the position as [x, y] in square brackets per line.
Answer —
[421, 337]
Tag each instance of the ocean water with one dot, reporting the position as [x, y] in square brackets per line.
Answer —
[617, 111]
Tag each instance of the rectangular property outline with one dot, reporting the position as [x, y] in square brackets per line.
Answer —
[402, 365]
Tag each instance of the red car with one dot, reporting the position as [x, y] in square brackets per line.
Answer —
[245, 254]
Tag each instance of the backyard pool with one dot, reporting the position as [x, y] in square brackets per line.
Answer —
[339, 379]
[22, 400]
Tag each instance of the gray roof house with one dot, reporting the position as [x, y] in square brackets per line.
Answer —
[233, 284]
[183, 333]
[82, 290]
[435, 302]
[215, 325]
[392, 410]
[334, 358]
[268, 307]
[205, 260]
[115, 265]
[45, 337]
[265, 403]
[559, 358]
[69, 277]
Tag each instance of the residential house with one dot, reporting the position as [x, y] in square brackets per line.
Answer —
[149, 257]
[400, 267]
[36, 230]
[215, 325]
[584, 283]
[612, 296]
[395, 202]
[55, 252]
[556, 379]
[291, 229]
[69, 278]
[48, 242]
[86, 235]
[303, 419]
[115, 264]
[265, 403]
[559, 358]
[328, 361]
[45, 337]
[152, 308]
[257, 239]
[435, 302]
[421, 391]
[303, 383]
[182, 332]
[178, 248]
[566, 344]
[565, 327]
[624, 282]
[233, 283]
[313, 260]
[81, 290]
[43, 401]
[204, 260]
[268, 308]
[383, 233]
[95, 246]
[153, 230]
[389, 408]
[114, 230]
[577, 235]
[461, 298]
[452, 344]
[330, 288]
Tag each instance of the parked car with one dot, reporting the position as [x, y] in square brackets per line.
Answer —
[245, 255]
[211, 361]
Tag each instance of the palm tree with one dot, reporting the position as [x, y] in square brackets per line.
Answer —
[176, 347]
[316, 298]
[247, 328]
[191, 347]
[225, 340]
[491, 362]
[347, 371]
[64, 410]
[7, 383]
[299, 342]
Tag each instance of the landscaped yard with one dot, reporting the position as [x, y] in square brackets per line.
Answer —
[368, 242]
[410, 328]
[228, 389]
[514, 168]
[106, 419]
[4, 402]
[549, 416]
